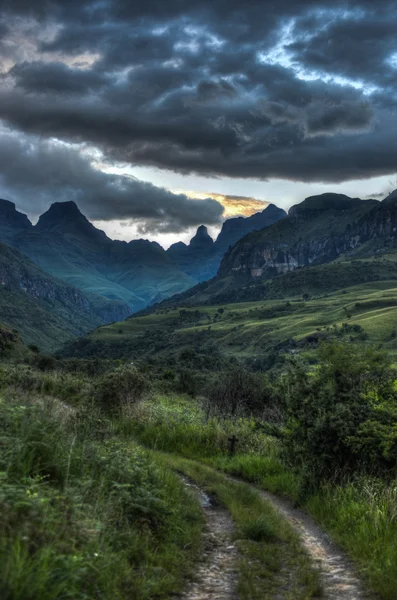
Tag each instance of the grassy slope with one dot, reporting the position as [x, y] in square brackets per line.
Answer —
[47, 324]
[249, 329]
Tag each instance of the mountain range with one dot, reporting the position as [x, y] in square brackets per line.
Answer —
[47, 311]
[73, 272]
[338, 252]
[320, 230]
[66, 245]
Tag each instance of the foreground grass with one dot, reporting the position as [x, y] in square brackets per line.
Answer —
[360, 515]
[85, 515]
[272, 560]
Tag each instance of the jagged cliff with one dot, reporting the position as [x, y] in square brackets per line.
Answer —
[316, 231]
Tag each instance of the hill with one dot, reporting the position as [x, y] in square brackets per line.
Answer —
[47, 312]
[258, 331]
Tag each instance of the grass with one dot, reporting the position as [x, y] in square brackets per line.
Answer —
[249, 329]
[360, 514]
[272, 560]
[84, 517]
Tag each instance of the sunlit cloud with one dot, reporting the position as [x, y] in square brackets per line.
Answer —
[234, 205]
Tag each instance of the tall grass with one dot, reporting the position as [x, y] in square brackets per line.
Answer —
[362, 517]
[178, 424]
[83, 517]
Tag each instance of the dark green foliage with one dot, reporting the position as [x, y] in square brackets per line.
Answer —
[119, 388]
[234, 392]
[83, 518]
[341, 418]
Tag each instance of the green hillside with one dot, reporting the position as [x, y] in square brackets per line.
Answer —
[259, 330]
[45, 311]
[315, 280]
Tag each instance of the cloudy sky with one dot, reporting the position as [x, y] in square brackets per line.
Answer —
[156, 116]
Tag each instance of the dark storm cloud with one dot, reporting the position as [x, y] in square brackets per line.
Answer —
[55, 172]
[206, 87]
[357, 47]
[56, 77]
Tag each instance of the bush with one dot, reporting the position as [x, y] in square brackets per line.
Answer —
[119, 388]
[234, 392]
[341, 418]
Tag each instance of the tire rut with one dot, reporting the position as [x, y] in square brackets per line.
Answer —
[216, 577]
[338, 577]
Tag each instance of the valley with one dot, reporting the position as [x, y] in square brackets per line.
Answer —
[209, 445]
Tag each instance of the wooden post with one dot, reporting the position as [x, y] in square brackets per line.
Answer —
[232, 444]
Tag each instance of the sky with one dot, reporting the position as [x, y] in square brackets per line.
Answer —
[157, 116]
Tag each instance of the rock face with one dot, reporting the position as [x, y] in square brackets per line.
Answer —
[202, 257]
[316, 231]
[197, 259]
[234, 229]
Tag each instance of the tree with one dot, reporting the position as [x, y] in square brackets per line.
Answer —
[341, 417]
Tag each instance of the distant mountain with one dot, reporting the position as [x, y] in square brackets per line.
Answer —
[11, 221]
[202, 257]
[319, 230]
[66, 245]
[313, 233]
[327, 244]
[234, 229]
[48, 312]
[392, 197]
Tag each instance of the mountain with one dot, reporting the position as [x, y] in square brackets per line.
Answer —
[392, 197]
[202, 257]
[47, 312]
[199, 259]
[11, 221]
[327, 271]
[65, 244]
[234, 229]
[316, 231]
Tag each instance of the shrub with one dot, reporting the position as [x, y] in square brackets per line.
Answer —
[121, 387]
[235, 391]
[341, 418]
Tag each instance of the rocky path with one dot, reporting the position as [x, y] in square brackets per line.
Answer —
[339, 581]
[216, 577]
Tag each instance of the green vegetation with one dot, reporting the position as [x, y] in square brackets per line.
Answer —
[335, 457]
[96, 441]
[262, 333]
[84, 513]
[46, 311]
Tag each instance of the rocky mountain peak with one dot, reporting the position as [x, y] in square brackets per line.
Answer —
[202, 237]
[324, 202]
[65, 217]
[11, 217]
[391, 197]
[59, 213]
